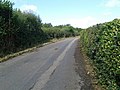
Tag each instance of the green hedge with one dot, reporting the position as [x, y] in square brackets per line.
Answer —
[102, 43]
[21, 30]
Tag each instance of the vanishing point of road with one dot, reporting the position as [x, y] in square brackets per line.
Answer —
[51, 67]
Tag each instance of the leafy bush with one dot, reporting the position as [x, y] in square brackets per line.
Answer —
[102, 43]
[18, 30]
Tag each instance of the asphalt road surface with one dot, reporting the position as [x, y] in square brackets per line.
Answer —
[51, 67]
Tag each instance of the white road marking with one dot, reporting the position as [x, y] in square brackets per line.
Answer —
[45, 77]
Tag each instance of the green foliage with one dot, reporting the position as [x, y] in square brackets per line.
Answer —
[102, 42]
[60, 31]
[6, 30]
[21, 30]
[6, 10]
[18, 30]
[28, 29]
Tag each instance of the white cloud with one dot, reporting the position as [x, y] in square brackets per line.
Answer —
[106, 14]
[84, 22]
[112, 3]
[32, 8]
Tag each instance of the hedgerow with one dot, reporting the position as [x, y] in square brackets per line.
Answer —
[102, 44]
[21, 30]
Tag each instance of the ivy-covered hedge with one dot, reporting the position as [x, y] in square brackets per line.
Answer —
[102, 44]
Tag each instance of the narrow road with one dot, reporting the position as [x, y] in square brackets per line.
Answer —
[51, 67]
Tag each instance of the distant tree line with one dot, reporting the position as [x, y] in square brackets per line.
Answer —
[60, 30]
[20, 30]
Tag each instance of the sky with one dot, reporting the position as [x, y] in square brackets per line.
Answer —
[78, 13]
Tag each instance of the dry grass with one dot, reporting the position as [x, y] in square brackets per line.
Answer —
[3, 59]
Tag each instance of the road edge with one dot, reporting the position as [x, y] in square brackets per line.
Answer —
[89, 67]
[81, 68]
[9, 56]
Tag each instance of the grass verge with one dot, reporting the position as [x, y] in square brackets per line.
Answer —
[3, 59]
